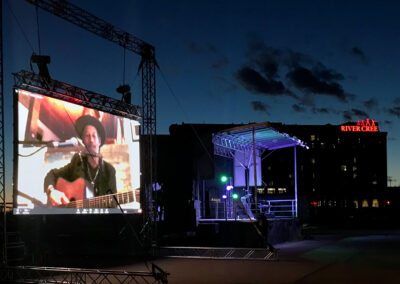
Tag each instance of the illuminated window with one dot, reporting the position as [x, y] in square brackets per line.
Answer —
[354, 175]
[281, 190]
[365, 203]
[355, 202]
[312, 137]
[354, 168]
[313, 189]
[338, 140]
[312, 160]
[375, 203]
[270, 190]
[260, 190]
[375, 182]
[322, 145]
[354, 160]
[269, 168]
[343, 168]
[290, 175]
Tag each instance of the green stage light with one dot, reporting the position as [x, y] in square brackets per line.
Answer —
[224, 178]
[235, 196]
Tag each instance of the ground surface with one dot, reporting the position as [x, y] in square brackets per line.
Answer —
[337, 256]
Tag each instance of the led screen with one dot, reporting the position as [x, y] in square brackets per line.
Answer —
[70, 159]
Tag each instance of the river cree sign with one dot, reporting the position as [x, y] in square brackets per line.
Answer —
[368, 125]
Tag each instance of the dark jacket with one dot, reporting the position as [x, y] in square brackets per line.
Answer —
[104, 181]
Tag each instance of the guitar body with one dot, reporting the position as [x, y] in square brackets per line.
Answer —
[74, 190]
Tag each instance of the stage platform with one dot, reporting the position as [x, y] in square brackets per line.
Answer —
[236, 233]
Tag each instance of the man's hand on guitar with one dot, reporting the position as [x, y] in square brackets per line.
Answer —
[57, 197]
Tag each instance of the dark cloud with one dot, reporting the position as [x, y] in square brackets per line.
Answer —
[357, 52]
[220, 63]
[388, 122]
[284, 69]
[268, 58]
[347, 115]
[395, 110]
[322, 110]
[212, 48]
[354, 113]
[269, 67]
[371, 103]
[305, 80]
[298, 108]
[255, 83]
[326, 74]
[259, 106]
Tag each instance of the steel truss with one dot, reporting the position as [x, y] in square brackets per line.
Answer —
[2, 163]
[91, 23]
[31, 274]
[32, 82]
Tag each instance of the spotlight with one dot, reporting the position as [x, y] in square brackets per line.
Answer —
[229, 187]
[224, 178]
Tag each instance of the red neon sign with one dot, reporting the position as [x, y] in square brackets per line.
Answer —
[364, 126]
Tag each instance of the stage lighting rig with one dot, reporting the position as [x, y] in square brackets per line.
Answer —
[42, 61]
[124, 90]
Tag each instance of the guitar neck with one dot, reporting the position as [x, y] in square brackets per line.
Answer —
[105, 201]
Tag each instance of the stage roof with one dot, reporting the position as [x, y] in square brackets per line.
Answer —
[241, 139]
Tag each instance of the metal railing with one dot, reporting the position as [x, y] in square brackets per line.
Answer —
[284, 208]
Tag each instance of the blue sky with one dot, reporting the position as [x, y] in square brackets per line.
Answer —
[304, 62]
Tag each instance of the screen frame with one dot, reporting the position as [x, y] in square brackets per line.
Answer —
[63, 211]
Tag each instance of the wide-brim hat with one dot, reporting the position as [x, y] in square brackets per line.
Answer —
[86, 120]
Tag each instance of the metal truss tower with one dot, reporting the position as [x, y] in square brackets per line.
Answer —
[2, 165]
[91, 23]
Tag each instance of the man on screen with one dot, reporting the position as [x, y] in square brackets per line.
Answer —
[87, 175]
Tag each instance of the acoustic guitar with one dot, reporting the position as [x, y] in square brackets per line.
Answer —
[75, 192]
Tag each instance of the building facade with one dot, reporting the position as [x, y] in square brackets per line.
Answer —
[345, 167]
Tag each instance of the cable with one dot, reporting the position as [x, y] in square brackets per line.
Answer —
[38, 27]
[19, 25]
[186, 116]
[33, 153]
[123, 73]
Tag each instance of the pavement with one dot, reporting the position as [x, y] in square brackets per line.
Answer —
[337, 256]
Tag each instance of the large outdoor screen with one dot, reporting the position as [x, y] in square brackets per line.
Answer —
[70, 159]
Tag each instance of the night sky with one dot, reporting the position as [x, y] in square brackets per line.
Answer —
[295, 62]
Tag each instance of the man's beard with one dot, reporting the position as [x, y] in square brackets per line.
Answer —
[87, 152]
